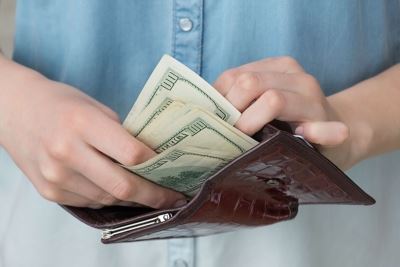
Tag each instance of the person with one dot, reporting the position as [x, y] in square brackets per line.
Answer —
[329, 68]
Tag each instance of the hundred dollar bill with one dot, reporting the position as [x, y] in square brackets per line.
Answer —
[171, 79]
[182, 169]
[155, 117]
[147, 116]
[195, 127]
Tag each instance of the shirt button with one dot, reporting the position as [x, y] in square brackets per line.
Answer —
[180, 263]
[185, 24]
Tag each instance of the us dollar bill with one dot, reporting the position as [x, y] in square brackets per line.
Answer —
[148, 115]
[182, 169]
[190, 125]
[171, 79]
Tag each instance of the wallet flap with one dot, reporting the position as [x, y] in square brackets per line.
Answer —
[265, 185]
[292, 166]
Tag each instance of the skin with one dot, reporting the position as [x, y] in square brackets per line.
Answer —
[64, 141]
[347, 127]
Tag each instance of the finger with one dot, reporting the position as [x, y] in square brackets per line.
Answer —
[71, 199]
[122, 184]
[66, 179]
[52, 193]
[111, 139]
[226, 80]
[278, 104]
[326, 133]
[250, 85]
[274, 64]
[80, 185]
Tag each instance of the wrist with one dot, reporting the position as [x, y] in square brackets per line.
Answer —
[361, 133]
[15, 83]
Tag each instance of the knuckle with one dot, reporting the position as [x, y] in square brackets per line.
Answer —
[60, 148]
[309, 79]
[275, 100]
[131, 154]
[50, 193]
[106, 199]
[248, 81]
[288, 61]
[228, 77]
[74, 118]
[123, 190]
[52, 173]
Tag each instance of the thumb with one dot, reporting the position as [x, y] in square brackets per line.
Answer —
[325, 133]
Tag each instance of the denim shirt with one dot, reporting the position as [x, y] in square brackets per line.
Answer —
[108, 49]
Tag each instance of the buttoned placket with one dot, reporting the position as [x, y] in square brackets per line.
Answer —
[187, 48]
[188, 32]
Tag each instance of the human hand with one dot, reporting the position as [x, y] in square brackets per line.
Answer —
[64, 141]
[279, 88]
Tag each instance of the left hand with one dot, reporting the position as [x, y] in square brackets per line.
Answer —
[279, 88]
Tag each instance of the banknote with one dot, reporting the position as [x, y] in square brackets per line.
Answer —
[182, 169]
[194, 126]
[147, 116]
[174, 80]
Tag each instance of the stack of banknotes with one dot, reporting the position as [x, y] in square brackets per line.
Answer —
[190, 126]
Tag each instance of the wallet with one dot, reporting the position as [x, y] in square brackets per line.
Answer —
[263, 186]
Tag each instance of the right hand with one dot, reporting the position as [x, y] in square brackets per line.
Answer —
[64, 141]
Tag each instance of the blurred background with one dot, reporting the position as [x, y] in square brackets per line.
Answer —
[7, 14]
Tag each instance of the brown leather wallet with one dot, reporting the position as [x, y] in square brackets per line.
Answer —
[265, 185]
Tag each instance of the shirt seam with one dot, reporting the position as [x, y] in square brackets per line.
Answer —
[200, 39]
[173, 41]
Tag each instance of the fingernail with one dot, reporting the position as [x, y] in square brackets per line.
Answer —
[180, 203]
[299, 130]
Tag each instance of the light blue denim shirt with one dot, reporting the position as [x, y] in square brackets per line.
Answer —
[108, 49]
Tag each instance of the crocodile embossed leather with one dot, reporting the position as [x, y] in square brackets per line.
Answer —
[263, 186]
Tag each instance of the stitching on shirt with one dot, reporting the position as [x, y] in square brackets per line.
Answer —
[200, 39]
[173, 39]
